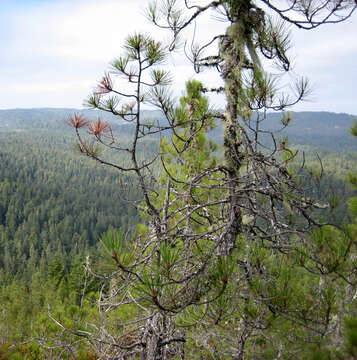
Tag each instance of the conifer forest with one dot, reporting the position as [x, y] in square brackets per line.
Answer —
[153, 227]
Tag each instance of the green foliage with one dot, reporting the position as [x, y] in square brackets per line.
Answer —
[353, 129]
[351, 337]
[52, 203]
[40, 187]
[352, 204]
[116, 250]
[278, 295]
[30, 351]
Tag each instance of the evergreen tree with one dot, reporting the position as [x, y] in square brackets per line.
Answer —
[231, 259]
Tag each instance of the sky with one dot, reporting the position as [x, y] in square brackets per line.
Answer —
[52, 53]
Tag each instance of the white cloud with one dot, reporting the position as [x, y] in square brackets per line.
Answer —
[45, 87]
[327, 57]
[96, 31]
[327, 45]
[89, 31]
[52, 54]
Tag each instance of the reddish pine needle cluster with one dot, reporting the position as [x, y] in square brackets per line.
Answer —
[77, 121]
[98, 127]
[105, 86]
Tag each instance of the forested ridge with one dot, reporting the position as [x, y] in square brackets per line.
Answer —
[52, 201]
[319, 129]
[196, 232]
[55, 206]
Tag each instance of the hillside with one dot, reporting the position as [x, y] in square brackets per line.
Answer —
[55, 205]
[317, 129]
[50, 118]
[320, 129]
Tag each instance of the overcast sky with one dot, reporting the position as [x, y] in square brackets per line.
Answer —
[53, 52]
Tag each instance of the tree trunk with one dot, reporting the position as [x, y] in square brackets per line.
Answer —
[161, 339]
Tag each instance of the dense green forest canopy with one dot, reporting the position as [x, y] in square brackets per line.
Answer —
[55, 205]
[243, 245]
[55, 202]
[52, 201]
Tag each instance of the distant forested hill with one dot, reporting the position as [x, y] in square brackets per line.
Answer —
[55, 204]
[53, 201]
[317, 129]
[51, 118]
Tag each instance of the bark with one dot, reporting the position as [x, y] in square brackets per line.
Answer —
[232, 51]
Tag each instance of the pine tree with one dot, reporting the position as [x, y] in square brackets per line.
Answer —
[231, 258]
